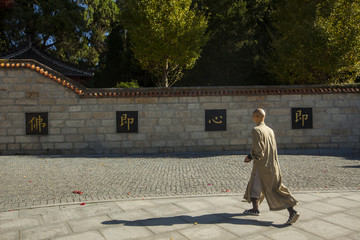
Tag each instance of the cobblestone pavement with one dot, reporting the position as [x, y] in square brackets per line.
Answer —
[28, 181]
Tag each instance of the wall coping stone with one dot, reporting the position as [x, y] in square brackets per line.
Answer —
[84, 92]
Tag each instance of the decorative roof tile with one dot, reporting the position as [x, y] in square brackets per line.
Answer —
[29, 51]
[179, 92]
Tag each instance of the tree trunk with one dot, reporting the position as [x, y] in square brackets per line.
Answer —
[165, 80]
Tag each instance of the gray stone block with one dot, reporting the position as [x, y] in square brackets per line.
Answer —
[325, 229]
[88, 224]
[126, 232]
[207, 232]
[90, 235]
[45, 232]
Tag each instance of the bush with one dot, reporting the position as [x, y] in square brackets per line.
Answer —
[132, 84]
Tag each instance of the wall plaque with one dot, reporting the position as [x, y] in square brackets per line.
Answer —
[36, 123]
[215, 120]
[302, 118]
[127, 122]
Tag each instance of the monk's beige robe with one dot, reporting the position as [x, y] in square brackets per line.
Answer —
[265, 162]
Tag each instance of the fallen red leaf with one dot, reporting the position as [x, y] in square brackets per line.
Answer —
[82, 204]
[77, 192]
[30, 181]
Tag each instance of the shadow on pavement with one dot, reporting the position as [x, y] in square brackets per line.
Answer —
[204, 219]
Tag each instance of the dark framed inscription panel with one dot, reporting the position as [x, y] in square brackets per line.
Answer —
[215, 120]
[37, 123]
[302, 118]
[127, 122]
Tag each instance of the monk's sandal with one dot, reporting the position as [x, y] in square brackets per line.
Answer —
[293, 218]
[252, 212]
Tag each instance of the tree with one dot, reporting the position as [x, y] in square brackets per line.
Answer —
[166, 36]
[315, 42]
[238, 37]
[73, 31]
[117, 63]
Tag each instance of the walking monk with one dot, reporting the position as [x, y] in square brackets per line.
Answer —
[265, 180]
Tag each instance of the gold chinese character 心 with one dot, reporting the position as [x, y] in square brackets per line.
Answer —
[37, 123]
[216, 120]
[126, 121]
[299, 116]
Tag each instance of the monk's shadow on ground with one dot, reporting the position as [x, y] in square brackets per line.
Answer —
[237, 219]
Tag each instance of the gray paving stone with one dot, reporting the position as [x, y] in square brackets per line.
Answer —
[97, 209]
[135, 204]
[194, 204]
[324, 229]
[206, 217]
[343, 202]
[323, 207]
[291, 233]
[14, 235]
[167, 236]
[355, 236]
[19, 223]
[165, 210]
[344, 220]
[162, 225]
[353, 196]
[91, 235]
[126, 232]
[38, 211]
[354, 212]
[246, 226]
[254, 237]
[64, 214]
[9, 215]
[45, 232]
[207, 232]
[225, 201]
[86, 224]
[139, 214]
[305, 197]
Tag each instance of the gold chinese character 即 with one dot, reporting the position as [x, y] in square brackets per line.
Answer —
[37, 123]
[126, 121]
[299, 116]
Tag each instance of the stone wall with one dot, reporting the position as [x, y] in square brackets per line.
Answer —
[83, 121]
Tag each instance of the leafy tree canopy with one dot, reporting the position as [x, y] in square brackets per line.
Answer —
[73, 31]
[315, 42]
[166, 36]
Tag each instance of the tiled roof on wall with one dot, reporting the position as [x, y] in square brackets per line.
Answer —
[170, 92]
[28, 51]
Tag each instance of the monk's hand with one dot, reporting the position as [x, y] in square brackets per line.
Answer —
[247, 160]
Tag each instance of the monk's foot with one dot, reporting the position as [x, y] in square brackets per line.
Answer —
[252, 212]
[294, 216]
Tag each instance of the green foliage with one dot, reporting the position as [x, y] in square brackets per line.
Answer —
[315, 42]
[117, 63]
[131, 84]
[73, 31]
[238, 37]
[166, 36]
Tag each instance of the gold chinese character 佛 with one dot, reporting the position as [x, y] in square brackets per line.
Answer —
[37, 123]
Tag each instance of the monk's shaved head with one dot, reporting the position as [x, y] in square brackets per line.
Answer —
[260, 113]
